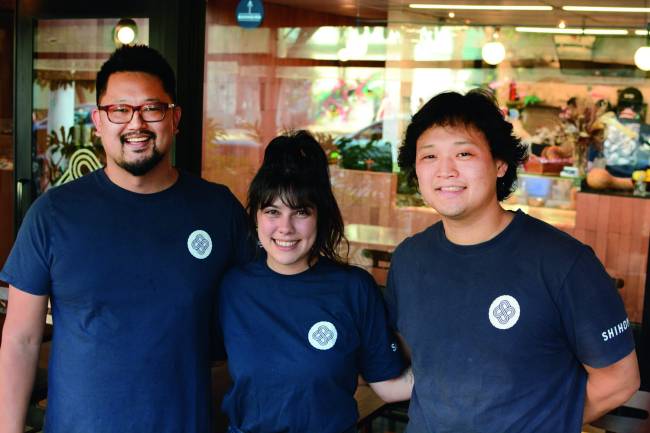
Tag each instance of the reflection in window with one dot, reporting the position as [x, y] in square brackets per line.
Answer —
[65, 67]
[6, 136]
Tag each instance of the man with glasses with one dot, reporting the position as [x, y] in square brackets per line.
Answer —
[129, 257]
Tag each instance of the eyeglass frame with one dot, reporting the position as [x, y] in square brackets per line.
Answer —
[137, 108]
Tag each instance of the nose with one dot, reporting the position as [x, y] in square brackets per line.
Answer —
[446, 167]
[285, 224]
[136, 121]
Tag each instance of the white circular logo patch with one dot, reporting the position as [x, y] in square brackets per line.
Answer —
[504, 312]
[322, 335]
[199, 244]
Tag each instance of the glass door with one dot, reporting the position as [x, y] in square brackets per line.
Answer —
[6, 141]
[67, 55]
[59, 47]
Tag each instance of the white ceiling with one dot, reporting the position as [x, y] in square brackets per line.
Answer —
[378, 10]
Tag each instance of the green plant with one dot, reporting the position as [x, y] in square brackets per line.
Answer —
[375, 155]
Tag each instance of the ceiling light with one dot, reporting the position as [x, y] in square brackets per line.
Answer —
[554, 30]
[572, 31]
[642, 58]
[481, 7]
[641, 32]
[452, 15]
[605, 9]
[607, 32]
[493, 53]
[562, 25]
[125, 32]
[642, 55]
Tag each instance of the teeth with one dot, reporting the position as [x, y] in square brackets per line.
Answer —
[285, 243]
[451, 188]
[137, 140]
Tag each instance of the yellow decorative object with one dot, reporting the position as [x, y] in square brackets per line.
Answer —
[82, 162]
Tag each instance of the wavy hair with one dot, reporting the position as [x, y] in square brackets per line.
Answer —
[295, 170]
[477, 109]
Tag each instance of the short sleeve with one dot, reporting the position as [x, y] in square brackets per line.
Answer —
[380, 357]
[593, 314]
[28, 266]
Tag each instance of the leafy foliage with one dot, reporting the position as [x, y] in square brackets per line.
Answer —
[374, 155]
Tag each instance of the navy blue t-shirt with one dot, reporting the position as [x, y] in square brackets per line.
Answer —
[296, 344]
[132, 280]
[499, 330]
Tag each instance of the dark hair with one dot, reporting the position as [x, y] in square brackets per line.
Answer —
[137, 58]
[476, 109]
[295, 170]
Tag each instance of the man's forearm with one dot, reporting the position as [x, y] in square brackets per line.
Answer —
[18, 361]
[597, 405]
[610, 387]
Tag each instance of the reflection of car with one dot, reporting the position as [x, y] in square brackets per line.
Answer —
[366, 149]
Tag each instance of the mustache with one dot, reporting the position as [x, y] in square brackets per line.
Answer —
[141, 132]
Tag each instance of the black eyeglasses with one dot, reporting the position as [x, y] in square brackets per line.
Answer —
[123, 113]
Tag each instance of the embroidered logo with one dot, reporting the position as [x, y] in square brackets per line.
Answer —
[504, 312]
[322, 335]
[393, 347]
[199, 244]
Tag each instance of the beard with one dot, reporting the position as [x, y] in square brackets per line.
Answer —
[146, 164]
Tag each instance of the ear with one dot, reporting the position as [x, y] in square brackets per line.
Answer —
[176, 118]
[97, 120]
[502, 167]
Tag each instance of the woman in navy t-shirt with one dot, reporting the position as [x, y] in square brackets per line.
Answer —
[298, 323]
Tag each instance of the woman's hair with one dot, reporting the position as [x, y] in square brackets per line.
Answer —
[295, 170]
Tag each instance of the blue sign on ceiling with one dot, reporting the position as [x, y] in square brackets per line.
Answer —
[250, 13]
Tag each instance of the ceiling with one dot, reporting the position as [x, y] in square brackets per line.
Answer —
[378, 10]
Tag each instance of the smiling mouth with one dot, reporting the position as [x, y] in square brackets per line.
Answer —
[137, 138]
[284, 244]
[450, 188]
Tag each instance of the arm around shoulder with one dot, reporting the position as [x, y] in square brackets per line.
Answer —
[21, 341]
[610, 387]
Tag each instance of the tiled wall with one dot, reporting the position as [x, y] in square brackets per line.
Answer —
[618, 229]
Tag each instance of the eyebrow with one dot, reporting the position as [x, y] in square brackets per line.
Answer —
[124, 101]
[456, 143]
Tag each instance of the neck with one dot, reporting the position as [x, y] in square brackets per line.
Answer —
[159, 178]
[478, 229]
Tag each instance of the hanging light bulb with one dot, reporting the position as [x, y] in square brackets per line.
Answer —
[125, 32]
[493, 52]
[642, 55]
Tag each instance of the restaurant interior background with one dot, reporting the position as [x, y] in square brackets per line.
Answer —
[352, 72]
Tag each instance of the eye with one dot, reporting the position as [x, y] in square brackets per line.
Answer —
[118, 109]
[304, 212]
[154, 108]
[464, 155]
[428, 156]
[270, 211]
